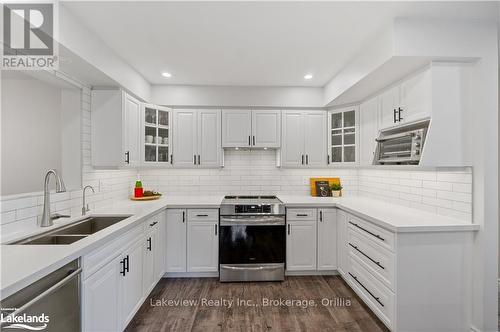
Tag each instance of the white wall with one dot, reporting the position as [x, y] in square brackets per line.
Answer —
[31, 128]
[224, 96]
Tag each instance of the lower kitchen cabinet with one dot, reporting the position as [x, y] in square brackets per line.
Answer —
[301, 245]
[101, 298]
[176, 240]
[154, 254]
[342, 250]
[192, 240]
[132, 282]
[202, 246]
[327, 239]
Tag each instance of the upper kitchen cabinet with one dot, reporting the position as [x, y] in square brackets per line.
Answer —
[116, 117]
[197, 139]
[251, 128]
[343, 131]
[408, 101]
[156, 135]
[304, 139]
[368, 123]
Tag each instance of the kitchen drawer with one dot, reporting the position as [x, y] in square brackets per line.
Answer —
[202, 215]
[301, 214]
[378, 297]
[376, 259]
[93, 261]
[373, 232]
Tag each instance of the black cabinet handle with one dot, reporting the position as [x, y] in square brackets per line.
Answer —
[328, 159]
[202, 215]
[127, 264]
[183, 216]
[152, 224]
[171, 158]
[399, 114]
[362, 253]
[249, 141]
[253, 140]
[149, 244]
[307, 159]
[199, 160]
[321, 216]
[364, 229]
[215, 229]
[302, 159]
[366, 289]
[288, 229]
[194, 159]
[394, 115]
[301, 215]
[127, 157]
[122, 262]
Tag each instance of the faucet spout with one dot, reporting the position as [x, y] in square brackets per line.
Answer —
[85, 207]
[47, 219]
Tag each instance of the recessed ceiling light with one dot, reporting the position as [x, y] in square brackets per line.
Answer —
[308, 76]
[165, 74]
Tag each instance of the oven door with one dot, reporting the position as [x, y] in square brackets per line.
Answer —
[253, 249]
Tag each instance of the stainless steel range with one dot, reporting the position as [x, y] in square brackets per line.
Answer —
[252, 240]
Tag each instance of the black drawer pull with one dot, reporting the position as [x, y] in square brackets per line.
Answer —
[152, 224]
[301, 215]
[202, 215]
[362, 253]
[122, 262]
[372, 234]
[366, 289]
[149, 244]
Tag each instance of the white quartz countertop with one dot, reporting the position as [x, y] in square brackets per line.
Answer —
[23, 264]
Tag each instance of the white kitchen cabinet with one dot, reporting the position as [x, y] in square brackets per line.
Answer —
[197, 138]
[101, 298]
[148, 276]
[160, 246]
[115, 117]
[389, 104]
[415, 96]
[236, 128]
[343, 131]
[327, 239]
[342, 251]
[301, 245]
[266, 128]
[156, 135]
[251, 128]
[176, 240]
[153, 253]
[132, 284]
[202, 246]
[303, 139]
[368, 118]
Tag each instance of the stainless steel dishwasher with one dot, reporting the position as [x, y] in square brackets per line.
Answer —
[51, 303]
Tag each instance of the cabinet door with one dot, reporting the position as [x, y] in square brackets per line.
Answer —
[301, 245]
[159, 247]
[368, 113]
[209, 138]
[389, 102]
[202, 246]
[132, 283]
[315, 138]
[416, 97]
[292, 151]
[131, 139]
[185, 140]
[236, 128]
[266, 125]
[327, 239]
[101, 299]
[176, 240]
[148, 275]
[342, 242]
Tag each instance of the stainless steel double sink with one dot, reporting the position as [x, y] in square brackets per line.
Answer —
[73, 232]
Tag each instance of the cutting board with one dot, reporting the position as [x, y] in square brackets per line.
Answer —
[312, 182]
[145, 198]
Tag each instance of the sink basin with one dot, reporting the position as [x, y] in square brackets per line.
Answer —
[74, 232]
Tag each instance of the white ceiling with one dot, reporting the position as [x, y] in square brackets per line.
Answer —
[250, 43]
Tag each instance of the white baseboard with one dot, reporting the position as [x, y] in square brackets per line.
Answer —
[191, 275]
[311, 273]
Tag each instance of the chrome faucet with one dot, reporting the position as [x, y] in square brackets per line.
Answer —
[47, 218]
[85, 207]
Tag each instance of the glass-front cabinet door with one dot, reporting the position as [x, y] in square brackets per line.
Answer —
[157, 135]
[343, 131]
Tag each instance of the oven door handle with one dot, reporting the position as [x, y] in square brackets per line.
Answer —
[253, 222]
[250, 268]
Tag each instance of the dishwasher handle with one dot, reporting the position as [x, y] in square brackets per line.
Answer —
[47, 292]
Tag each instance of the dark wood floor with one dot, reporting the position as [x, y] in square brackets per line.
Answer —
[335, 316]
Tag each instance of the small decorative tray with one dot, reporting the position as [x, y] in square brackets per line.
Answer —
[145, 198]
